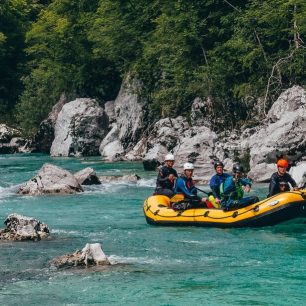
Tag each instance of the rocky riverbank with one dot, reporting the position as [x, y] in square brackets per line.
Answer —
[121, 131]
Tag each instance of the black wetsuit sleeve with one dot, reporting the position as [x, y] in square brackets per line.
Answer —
[273, 186]
[161, 177]
[292, 181]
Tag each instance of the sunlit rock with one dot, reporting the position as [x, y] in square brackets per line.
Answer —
[90, 255]
[298, 173]
[127, 114]
[111, 147]
[11, 142]
[79, 129]
[20, 227]
[51, 179]
[87, 176]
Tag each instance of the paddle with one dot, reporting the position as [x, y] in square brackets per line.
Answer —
[207, 193]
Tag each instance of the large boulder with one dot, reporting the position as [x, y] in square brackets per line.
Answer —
[262, 172]
[286, 133]
[298, 173]
[12, 142]
[20, 227]
[87, 176]
[45, 134]
[111, 147]
[196, 145]
[161, 139]
[282, 132]
[90, 255]
[51, 179]
[129, 112]
[7, 133]
[79, 129]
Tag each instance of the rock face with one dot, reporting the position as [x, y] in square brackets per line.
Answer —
[90, 255]
[45, 135]
[162, 138]
[79, 129]
[200, 111]
[283, 131]
[19, 228]
[129, 111]
[87, 176]
[82, 128]
[194, 144]
[51, 179]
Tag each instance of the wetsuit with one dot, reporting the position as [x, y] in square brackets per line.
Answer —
[215, 183]
[276, 179]
[163, 185]
[232, 193]
[185, 185]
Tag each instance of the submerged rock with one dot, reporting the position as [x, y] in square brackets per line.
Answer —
[87, 176]
[129, 178]
[20, 227]
[90, 255]
[51, 179]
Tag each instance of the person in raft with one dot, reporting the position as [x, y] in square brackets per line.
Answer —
[281, 176]
[166, 177]
[233, 188]
[217, 179]
[185, 185]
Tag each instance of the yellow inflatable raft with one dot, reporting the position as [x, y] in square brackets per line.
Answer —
[271, 211]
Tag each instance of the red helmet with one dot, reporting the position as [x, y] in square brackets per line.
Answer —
[282, 163]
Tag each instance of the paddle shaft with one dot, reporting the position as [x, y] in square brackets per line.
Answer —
[202, 190]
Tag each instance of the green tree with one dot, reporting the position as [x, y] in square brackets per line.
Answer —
[62, 61]
[15, 19]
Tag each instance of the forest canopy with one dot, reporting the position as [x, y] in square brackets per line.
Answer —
[234, 52]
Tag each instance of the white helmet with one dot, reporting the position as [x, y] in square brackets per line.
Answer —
[188, 166]
[169, 157]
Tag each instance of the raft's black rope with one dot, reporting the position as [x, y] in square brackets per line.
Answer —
[215, 218]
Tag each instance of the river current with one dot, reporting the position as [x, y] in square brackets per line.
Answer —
[152, 265]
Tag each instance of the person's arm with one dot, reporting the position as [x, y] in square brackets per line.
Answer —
[181, 187]
[247, 183]
[292, 182]
[272, 186]
[215, 187]
[161, 178]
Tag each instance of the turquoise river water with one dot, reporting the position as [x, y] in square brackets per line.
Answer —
[152, 265]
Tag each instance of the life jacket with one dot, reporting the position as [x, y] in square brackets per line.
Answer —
[235, 194]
